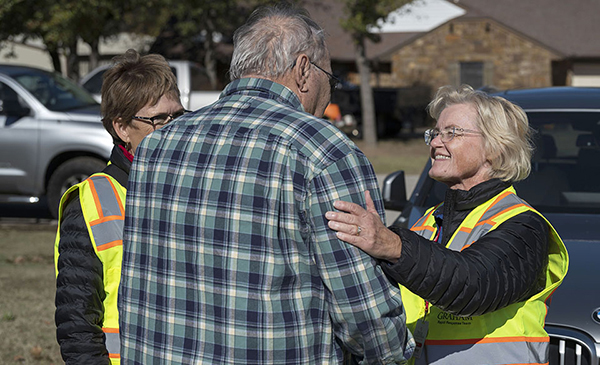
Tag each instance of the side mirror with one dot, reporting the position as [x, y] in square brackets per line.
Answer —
[394, 191]
[13, 109]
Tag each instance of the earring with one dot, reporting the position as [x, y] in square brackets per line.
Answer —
[128, 146]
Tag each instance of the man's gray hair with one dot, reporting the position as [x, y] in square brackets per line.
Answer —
[269, 42]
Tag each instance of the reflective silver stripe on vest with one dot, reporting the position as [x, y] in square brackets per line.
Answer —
[106, 196]
[420, 231]
[498, 353]
[109, 230]
[426, 233]
[421, 220]
[462, 238]
[113, 343]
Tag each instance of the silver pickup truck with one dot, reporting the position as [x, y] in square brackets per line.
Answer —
[51, 136]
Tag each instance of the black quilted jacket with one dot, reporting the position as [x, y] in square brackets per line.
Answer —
[505, 266]
[79, 285]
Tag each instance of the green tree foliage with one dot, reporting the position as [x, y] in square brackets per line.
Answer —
[61, 23]
[27, 19]
[361, 17]
[202, 27]
[202, 30]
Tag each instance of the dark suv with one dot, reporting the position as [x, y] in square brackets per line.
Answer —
[564, 185]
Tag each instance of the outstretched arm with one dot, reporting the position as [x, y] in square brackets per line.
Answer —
[471, 282]
[505, 266]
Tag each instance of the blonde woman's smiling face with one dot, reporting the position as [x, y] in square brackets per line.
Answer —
[461, 162]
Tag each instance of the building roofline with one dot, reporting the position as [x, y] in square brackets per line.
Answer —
[468, 17]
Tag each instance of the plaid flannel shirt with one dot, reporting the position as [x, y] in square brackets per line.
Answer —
[227, 255]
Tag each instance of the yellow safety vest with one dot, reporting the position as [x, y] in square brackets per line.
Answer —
[511, 335]
[103, 204]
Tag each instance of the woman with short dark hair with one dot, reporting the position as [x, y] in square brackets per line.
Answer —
[139, 95]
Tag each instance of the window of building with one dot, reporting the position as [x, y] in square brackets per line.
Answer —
[471, 73]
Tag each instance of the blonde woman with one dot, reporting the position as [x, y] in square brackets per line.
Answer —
[476, 270]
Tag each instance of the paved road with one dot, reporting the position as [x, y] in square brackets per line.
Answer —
[18, 213]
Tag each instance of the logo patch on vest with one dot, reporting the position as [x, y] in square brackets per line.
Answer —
[451, 319]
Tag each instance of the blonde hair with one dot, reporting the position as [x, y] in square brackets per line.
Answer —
[504, 126]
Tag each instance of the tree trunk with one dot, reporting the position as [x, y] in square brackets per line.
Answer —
[73, 62]
[210, 63]
[369, 125]
[55, 56]
[94, 54]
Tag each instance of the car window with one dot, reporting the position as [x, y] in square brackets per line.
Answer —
[565, 166]
[12, 106]
[94, 83]
[54, 91]
[9, 96]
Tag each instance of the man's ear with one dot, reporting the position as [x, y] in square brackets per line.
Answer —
[301, 71]
[121, 129]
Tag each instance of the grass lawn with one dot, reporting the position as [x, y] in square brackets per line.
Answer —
[27, 331]
[392, 155]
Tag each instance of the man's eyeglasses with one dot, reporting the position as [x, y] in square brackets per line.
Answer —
[334, 82]
[160, 119]
[447, 134]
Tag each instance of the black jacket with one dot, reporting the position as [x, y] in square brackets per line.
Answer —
[505, 266]
[79, 286]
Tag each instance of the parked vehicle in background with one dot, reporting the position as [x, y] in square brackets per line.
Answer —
[398, 111]
[51, 135]
[346, 123]
[192, 81]
[564, 186]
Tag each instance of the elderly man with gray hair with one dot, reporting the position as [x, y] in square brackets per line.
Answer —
[227, 255]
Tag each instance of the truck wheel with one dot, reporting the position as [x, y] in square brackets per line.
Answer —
[71, 172]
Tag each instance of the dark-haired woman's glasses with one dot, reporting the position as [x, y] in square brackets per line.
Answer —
[447, 134]
[161, 119]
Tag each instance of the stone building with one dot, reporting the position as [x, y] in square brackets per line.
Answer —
[479, 52]
[504, 44]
